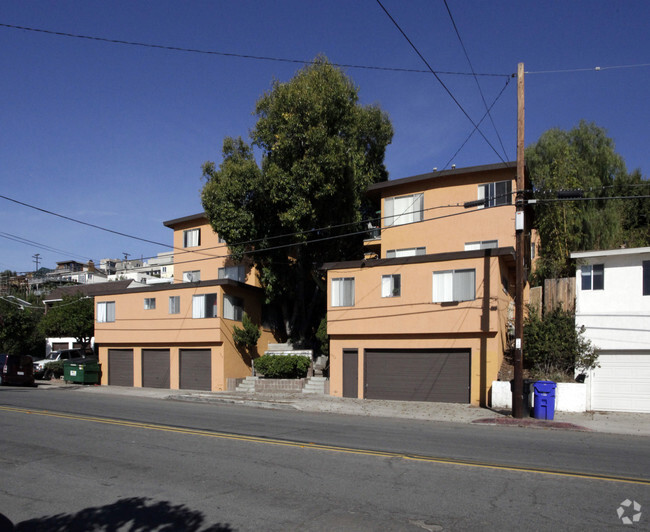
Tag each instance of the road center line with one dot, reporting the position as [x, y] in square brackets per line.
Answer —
[324, 447]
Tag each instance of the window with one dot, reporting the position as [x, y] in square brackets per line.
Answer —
[221, 240]
[106, 311]
[204, 306]
[236, 273]
[233, 307]
[391, 285]
[495, 194]
[483, 244]
[192, 277]
[149, 303]
[646, 277]
[454, 285]
[191, 238]
[343, 292]
[593, 277]
[174, 304]
[403, 210]
[408, 252]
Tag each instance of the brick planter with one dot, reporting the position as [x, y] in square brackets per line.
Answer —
[279, 385]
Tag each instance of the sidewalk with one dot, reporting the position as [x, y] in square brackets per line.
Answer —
[637, 424]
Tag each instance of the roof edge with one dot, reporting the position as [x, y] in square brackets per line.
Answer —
[508, 251]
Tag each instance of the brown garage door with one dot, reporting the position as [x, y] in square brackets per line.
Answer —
[120, 367]
[155, 368]
[417, 375]
[196, 369]
[350, 373]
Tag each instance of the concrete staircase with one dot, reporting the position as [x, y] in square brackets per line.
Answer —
[316, 385]
[247, 385]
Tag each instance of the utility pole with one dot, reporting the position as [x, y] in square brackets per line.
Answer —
[37, 259]
[518, 385]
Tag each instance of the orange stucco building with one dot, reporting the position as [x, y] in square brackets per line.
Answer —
[180, 335]
[426, 315]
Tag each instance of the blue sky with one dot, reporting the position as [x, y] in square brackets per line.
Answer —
[115, 135]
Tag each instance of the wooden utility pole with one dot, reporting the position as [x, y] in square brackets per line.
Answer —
[518, 385]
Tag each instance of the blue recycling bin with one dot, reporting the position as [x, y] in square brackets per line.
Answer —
[544, 407]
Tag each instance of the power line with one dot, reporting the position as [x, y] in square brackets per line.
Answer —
[599, 198]
[208, 256]
[44, 247]
[238, 55]
[453, 22]
[592, 69]
[440, 81]
[480, 122]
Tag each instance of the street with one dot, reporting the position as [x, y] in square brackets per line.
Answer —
[74, 461]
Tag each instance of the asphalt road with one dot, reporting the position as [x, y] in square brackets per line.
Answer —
[92, 461]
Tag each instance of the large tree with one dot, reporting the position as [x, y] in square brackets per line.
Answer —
[320, 150]
[582, 158]
[72, 317]
[19, 333]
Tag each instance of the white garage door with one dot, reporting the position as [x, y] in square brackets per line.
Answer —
[622, 382]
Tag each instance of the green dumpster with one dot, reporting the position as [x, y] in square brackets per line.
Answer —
[81, 372]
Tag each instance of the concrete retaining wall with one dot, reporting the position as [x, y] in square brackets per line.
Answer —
[569, 396]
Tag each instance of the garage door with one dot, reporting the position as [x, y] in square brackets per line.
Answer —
[350, 373]
[622, 382]
[196, 369]
[155, 368]
[120, 367]
[417, 375]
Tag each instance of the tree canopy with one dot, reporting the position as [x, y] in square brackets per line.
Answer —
[19, 334]
[73, 317]
[320, 150]
[584, 158]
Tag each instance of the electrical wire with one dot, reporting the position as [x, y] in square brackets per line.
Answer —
[238, 55]
[440, 81]
[208, 256]
[474, 130]
[453, 22]
[593, 69]
[45, 247]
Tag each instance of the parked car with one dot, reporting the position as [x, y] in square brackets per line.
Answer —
[65, 355]
[16, 369]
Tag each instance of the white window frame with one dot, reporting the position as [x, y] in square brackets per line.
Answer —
[106, 312]
[391, 285]
[193, 276]
[495, 194]
[342, 292]
[191, 238]
[233, 307]
[204, 306]
[400, 210]
[589, 274]
[149, 303]
[450, 286]
[481, 244]
[236, 273]
[406, 252]
[174, 304]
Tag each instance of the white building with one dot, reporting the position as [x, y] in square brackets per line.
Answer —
[613, 304]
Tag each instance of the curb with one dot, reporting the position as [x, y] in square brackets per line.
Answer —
[532, 423]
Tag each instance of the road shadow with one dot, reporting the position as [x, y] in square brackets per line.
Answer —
[134, 514]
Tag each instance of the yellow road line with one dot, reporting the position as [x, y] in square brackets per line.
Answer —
[325, 447]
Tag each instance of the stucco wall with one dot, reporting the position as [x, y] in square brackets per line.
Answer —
[617, 317]
[449, 228]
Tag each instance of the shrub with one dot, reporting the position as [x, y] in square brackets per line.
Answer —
[55, 369]
[555, 347]
[283, 366]
[249, 335]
